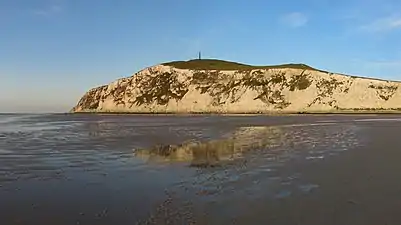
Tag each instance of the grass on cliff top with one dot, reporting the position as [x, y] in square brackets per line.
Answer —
[214, 64]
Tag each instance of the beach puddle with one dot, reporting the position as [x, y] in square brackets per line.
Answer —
[256, 162]
[264, 147]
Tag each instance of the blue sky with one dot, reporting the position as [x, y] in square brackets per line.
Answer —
[52, 51]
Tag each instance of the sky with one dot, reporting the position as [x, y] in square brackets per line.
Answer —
[53, 51]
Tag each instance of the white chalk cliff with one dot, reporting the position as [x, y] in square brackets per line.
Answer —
[213, 86]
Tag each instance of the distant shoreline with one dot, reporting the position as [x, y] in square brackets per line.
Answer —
[342, 112]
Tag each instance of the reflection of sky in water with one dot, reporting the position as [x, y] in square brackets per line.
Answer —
[29, 123]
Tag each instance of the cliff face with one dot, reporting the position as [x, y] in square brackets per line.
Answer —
[172, 88]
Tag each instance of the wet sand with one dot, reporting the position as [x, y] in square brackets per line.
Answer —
[88, 169]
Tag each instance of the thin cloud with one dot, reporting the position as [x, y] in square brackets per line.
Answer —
[295, 19]
[54, 9]
[383, 24]
[387, 63]
[378, 64]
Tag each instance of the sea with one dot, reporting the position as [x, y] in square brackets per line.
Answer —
[200, 169]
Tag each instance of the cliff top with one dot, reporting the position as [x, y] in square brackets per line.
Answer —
[214, 64]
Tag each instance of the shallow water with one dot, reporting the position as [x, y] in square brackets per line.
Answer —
[126, 169]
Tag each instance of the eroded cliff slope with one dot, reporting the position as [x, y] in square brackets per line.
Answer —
[213, 86]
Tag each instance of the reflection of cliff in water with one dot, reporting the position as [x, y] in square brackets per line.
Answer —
[211, 153]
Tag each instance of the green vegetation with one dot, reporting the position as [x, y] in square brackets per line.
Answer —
[92, 98]
[224, 88]
[269, 88]
[118, 94]
[218, 85]
[384, 92]
[300, 82]
[159, 88]
[214, 64]
[326, 88]
[371, 109]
